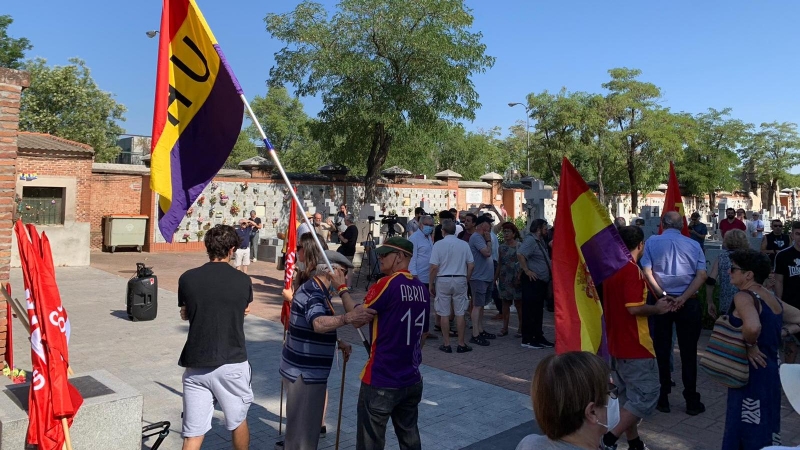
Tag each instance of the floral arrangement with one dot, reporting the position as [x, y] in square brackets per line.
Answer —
[223, 198]
[200, 235]
[212, 201]
[235, 209]
[207, 226]
[190, 211]
[274, 221]
[244, 186]
[201, 200]
[186, 236]
[200, 220]
[214, 186]
[17, 376]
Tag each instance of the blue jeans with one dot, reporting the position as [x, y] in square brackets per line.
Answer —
[377, 405]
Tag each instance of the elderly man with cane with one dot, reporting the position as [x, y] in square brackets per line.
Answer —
[310, 347]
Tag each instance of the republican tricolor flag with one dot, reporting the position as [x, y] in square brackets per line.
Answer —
[587, 249]
[673, 201]
[197, 116]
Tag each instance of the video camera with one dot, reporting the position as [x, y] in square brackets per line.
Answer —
[389, 219]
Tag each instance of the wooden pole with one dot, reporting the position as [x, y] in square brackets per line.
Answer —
[67, 439]
[341, 397]
[19, 309]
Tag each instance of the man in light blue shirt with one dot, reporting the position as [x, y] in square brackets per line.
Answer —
[420, 264]
[675, 267]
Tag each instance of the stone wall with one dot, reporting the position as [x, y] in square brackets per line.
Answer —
[12, 82]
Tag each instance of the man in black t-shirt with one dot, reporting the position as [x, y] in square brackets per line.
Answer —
[255, 234]
[348, 238]
[775, 241]
[214, 298]
[787, 283]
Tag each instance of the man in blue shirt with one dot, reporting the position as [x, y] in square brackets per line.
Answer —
[241, 258]
[420, 264]
[698, 230]
[675, 266]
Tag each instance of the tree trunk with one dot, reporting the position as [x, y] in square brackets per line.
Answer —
[773, 188]
[601, 192]
[712, 196]
[632, 181]
[552, 167]
[381, 142]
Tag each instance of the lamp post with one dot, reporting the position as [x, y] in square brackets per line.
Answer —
[527, 134]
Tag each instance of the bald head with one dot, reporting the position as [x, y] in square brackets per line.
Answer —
[672, 220]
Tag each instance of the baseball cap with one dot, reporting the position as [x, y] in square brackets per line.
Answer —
[337, 258]
[484, 219]
[395, 244]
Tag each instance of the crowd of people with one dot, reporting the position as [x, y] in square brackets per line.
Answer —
[441, 279]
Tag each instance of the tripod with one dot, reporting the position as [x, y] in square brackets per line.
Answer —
[370, 255]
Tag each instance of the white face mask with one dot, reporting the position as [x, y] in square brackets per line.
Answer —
[612, 414]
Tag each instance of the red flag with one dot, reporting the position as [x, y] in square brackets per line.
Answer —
[51, 397]
[291, 254]
[673, 201]
[9, 355]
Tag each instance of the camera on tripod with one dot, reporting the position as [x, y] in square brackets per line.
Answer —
[388, 219]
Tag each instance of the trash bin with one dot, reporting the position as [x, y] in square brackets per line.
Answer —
[124, 230]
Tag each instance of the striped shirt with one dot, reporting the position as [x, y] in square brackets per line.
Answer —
[307, 352]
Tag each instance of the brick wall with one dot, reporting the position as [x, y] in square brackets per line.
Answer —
[112, 194]
[11, 84]
[63, 165]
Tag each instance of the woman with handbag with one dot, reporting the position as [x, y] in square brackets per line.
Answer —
[753, 418]
[508, 274]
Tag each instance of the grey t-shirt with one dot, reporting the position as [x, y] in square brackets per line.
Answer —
[484, 265]
[538, 442]
[535, 254]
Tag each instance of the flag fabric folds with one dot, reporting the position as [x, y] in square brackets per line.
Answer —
[9, 354]
[197, 116]
[587, 249]
[51, 396]
[291, 256]
[673, 201]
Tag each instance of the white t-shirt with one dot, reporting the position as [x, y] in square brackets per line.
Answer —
[538, 442]
[452, 255]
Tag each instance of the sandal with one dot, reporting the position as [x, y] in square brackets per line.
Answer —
[502, 333]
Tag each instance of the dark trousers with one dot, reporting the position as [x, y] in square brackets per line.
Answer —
[688, 323]
[496, 294]
[376, 406]
[534, 294]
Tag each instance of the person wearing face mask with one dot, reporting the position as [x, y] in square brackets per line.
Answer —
[574, 403]
[634, 366]
[420, 264]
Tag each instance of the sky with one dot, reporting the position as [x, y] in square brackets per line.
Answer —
[737, 54]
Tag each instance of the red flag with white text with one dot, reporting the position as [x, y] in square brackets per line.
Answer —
[291, 256]
[673, 201]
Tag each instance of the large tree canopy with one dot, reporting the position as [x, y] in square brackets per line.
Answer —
[65, 101]
[12, 51]
[380, 67]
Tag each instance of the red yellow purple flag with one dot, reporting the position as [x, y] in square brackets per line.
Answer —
[587, 249]
[198, 112]
[673, 200]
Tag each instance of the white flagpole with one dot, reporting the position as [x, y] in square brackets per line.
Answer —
[278, 164]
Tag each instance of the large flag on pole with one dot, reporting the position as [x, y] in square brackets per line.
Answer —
[198, 112]
[673, 201]
[51, 396]
[587, 249]
[291, 255]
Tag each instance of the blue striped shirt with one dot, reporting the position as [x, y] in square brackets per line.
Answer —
[307, 352]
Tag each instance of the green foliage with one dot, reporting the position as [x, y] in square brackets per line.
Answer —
[242, 150]
[770, 153]
[65, 101]
[12, 51]
[381, 68]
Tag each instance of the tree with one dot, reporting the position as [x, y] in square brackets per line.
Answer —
[65, 101]
[380, 66]
[648, 135]
[243, 149]
[12, 51]
[771, 152]
[711, 159]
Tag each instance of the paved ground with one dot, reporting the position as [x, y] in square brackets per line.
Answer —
[479, 399]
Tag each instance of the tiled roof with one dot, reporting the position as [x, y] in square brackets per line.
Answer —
[41, 141]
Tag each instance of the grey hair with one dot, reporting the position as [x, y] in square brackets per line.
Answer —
[449, 226]
[252, 211]
[322, 268]
[672, 220]
[426, 219]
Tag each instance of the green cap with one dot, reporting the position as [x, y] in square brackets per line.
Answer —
[395, 244]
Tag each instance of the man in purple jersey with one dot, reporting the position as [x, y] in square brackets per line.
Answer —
[391, 385]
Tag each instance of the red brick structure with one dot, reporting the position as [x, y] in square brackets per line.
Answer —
[12, 82]
[113, 192]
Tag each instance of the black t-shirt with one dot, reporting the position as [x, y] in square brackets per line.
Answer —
[351, 234]
[777, 243]
[437, 234]
[255, 230]
[787, 263]
[215, 295]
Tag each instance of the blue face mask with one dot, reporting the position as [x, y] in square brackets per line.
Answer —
[427, 230]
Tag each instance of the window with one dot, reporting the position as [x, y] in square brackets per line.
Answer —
[41, 205]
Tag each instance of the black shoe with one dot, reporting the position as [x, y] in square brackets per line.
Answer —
[446, 348]
[534, 345]
[663, 403]
[279, 445]
[544, 343]
[694, 408]
[486, 335]
[479, 340]
[463, 349]
[323, 431]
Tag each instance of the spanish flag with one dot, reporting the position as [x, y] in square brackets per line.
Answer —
[673, 201]
[587, 249]
[198, 112]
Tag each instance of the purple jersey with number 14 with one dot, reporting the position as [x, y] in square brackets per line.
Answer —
[404, 308]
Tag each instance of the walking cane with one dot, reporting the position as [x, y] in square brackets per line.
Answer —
[341, 397]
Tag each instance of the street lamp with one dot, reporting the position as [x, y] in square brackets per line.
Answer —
[527, 134]
[151, 34]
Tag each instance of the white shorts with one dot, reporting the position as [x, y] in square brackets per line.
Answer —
[228, 384]
[241, 257]
[451, 291]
